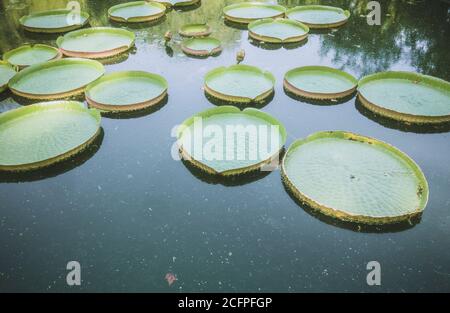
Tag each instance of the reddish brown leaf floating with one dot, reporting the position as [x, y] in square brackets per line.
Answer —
[170, 278]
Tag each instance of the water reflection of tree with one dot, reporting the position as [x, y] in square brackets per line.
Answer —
[412, 30]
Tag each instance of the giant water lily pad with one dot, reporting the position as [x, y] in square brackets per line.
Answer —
[54, 21]
[204, 46]
[239, 83]
[227, 141]
[6, 73]
[56, 79]
[247, 12]
[319, 16]
[27, 55]
[195, 30]
[177, 3]
[355, 178]
[320, 82]
[278, 30]
[137, 11]
[96, 42]
[41, 134]
[407, 97]
[126, 91]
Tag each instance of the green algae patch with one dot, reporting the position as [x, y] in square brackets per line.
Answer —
[126, 91]
[226, 141]
[278, 30]
[6, 73]
[355, 178]
[239, 84]
[247, 12]
[195, 30]
[27, 55]
[406, 97]
[56, 79]
[54, 21]
[319, 16]
[320, 83]
[42, 134]
[96, 42]
[202, 46]
[137, 11]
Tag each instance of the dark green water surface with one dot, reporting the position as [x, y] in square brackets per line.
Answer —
[130, 214]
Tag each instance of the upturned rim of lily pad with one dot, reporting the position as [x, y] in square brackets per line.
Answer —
[84, 15]
[185, 46]
[242, 20]
[319, 95]
[128, 107]
[239, 99]
[112, 12]
[13, 73]
[96, 55]
[184, 30]
[346, 13]
[37, 108]
[228, 109]
[177, 3]
[270, 39]
[55, 63]
[430, 81]
[348, 216]
[7, 56]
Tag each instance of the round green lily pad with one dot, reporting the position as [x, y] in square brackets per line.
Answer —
[126, 91]
[278, 30]
[202, 46]
[239, 83]
[54, 21]
[355, 178]
[6, 73]
[56, 79]
[319, 16]
[247, 12]
[195, 30]
[41, 134]
[226, 141]
[407, 97]
[177, 3]
[137, 11]
[96, 42]
[320, 82]
[27, 55]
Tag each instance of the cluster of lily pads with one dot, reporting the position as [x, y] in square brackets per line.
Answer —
[344, 175]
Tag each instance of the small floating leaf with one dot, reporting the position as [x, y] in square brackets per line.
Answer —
[6, 73]
[320, 82]
[355, 178]
[243, 141]
[54, 21]
[278, 30]
[319, 16]
[239, 83]
[41, 134]
[195, 30]
[406, 96]
[56, 79]
[96, 42]
[126, 91]
[27, 55]
[177, 3]
[137, 11]
[247, 12]
[202, 46]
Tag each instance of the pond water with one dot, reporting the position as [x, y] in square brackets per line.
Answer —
[130, 214]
